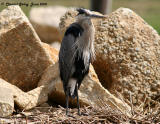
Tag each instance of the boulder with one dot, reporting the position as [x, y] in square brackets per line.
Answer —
[127, 54]
[6, 101]
[45, 21]
[26, 100]
[23, 100]
[23, 57]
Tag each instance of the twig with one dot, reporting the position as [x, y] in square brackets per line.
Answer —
[26, 106]
[132, 111]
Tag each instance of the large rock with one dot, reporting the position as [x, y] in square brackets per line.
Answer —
[23, 57]
[6, 101]
[26, 100]
[23, 100]
[46, 20]
[127, 54]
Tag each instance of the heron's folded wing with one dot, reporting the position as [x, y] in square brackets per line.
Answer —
[68, 50]
[67, 57]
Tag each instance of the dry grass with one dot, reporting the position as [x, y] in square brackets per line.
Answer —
[106, 115]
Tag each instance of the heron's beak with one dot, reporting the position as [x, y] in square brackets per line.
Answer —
[97, 16]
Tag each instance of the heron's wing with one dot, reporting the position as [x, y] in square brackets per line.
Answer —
[67, 57]
[68, 51]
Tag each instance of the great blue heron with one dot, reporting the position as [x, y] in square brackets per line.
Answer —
[76, 53]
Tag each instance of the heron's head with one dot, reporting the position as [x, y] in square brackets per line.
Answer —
[84, 14]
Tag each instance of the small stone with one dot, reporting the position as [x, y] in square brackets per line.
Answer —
[111, 41]
[137, 49]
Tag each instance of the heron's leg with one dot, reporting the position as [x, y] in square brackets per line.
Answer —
[67, 101]
[78, 106]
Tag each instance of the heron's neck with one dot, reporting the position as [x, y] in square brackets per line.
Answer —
[87, 39]
[88, 34]
[85, 22]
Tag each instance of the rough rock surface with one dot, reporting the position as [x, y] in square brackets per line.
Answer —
[127, 54]
[52, 52]
[23, 100]
[35, 97]
[46, 20]
[6, 101]
[22, 55]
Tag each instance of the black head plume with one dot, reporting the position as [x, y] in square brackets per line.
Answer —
[81, 11]
[88, 13]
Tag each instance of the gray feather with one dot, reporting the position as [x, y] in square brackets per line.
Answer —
[66, 56]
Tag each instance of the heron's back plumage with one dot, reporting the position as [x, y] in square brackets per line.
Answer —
[74, 60]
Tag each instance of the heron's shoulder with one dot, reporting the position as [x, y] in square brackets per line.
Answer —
[74, 29]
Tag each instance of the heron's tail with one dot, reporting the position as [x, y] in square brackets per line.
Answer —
[72, 87]
[74, 94]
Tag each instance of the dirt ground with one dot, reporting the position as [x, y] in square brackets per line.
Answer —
[56, 114]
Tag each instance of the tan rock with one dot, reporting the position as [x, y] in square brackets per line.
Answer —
[52, 52]
[22, 55]
[6, 102]
[23, 100]
[46, 20]
[127, 54]
[91, 91]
